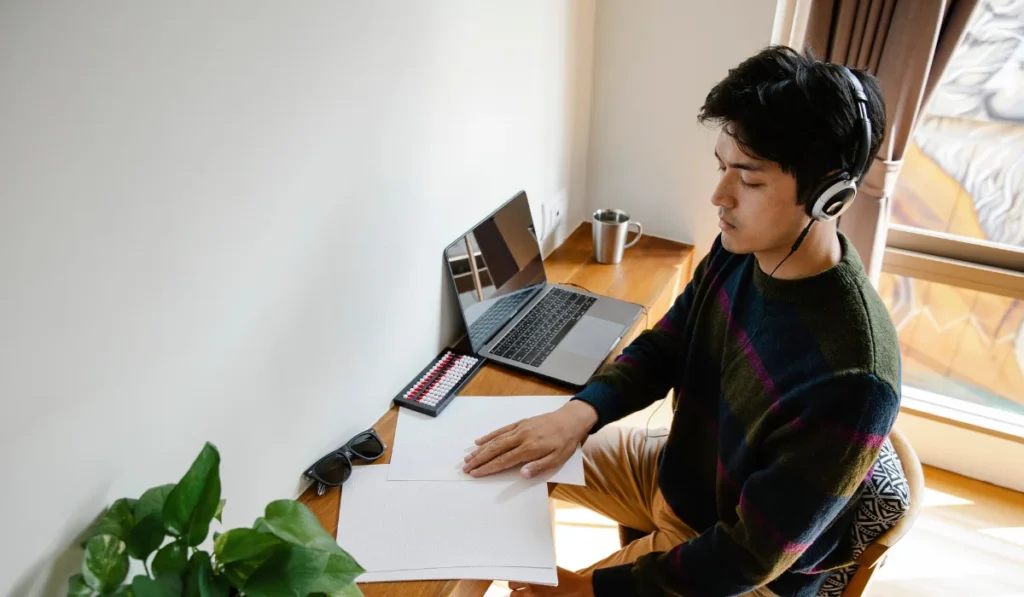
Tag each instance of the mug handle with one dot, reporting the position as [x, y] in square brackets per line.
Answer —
[639, 233]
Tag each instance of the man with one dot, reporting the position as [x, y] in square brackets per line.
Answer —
[783, 361]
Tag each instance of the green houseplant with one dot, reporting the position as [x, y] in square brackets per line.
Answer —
[286, 553]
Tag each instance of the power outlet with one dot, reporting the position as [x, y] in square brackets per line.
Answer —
[556, 209]
[553, 213]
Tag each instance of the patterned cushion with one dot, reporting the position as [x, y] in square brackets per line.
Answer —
[885, 500]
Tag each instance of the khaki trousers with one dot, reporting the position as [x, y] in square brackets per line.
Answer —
[621, 471]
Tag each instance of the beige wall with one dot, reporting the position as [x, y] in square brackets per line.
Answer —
[654, 62]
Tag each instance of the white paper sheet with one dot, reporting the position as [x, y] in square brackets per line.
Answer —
[412, 525]
[433, 449]
[534, 576]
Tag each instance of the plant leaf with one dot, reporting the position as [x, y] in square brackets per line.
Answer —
[105, 563]
[172, 558]
[124, 591]
[152, 502]
[146, 537]
[195, 567]
[77, 587]
[238, 573]
[341, 570]
[200, 580]
[220, 510]
[244, 544]
[121, 512]
[117, 520]
[167, 585]
[295, 523]
[190, 506]
[351, 590]
[212, 585]
[198, 565]
[290, 571]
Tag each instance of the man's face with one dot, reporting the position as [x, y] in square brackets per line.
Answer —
[756, 201]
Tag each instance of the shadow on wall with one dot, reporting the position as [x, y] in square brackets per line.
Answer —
[449, 330]
[49, 575]
[450, 325]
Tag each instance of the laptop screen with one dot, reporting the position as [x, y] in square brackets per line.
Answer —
[504, 272]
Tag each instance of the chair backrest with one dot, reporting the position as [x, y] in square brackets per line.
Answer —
[859, 575]
[888, 507]
[914, 473]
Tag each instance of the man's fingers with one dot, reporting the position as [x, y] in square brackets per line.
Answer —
[483, 440]
[537, 467]
[503, 461]
[493, 449]
[487, 446]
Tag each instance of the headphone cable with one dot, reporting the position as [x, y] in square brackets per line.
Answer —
[796, 245]
[771, 276]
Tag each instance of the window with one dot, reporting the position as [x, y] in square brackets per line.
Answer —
[953, 273]
[958, 342]
[964, 172]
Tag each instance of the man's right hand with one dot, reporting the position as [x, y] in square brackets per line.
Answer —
[540, 443]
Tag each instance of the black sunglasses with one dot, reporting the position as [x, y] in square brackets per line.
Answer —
[335, 468]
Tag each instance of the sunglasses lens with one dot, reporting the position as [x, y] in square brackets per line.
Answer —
[367, 446]
[334, 470]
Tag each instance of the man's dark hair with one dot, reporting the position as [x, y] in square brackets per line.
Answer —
[796, 111]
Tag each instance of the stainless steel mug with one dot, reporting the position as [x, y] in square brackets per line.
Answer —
[610, 227]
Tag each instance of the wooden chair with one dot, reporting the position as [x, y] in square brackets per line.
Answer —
[874, 556]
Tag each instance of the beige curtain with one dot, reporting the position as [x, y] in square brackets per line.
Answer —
[906, 44]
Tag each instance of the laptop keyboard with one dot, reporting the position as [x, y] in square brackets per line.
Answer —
[535, 337]
[484, 328]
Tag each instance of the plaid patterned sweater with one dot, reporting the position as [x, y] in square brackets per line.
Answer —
[774, 432]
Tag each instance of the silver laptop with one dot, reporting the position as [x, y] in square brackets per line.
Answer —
[515, 317]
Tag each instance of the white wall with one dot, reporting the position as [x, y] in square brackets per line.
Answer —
[654, 62]
[224, 221]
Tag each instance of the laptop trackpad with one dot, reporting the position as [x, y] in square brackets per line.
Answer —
[591, 337]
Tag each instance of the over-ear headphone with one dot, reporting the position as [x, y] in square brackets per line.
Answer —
[831, 198]
[836, 193]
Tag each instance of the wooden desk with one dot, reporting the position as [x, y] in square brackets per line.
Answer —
[652, 273]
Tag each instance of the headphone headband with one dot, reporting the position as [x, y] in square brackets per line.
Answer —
[836, 193]
[860, 167]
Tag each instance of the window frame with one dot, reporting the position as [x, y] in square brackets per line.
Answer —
[947, 259]
[962, 262]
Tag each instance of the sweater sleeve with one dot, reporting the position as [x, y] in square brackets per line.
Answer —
[646, 368]
[814, 465]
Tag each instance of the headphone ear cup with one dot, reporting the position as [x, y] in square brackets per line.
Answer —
[832, 198]
[819, 191]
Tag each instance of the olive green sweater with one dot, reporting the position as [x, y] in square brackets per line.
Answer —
[784, 393]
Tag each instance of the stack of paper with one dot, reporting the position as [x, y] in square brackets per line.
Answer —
[419, 530]
[422, 518]
[429, 449]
